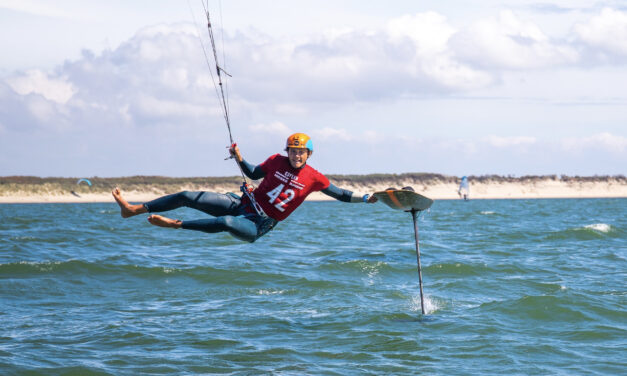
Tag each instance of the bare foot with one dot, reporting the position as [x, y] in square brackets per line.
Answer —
[126, 209]
[162, 221]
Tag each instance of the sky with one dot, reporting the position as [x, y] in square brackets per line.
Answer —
[119, 88]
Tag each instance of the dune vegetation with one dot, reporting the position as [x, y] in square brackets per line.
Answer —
[10, 185]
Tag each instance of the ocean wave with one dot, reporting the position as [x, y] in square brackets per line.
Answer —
[475, 269]
[126, 298]
[586, 232]
[74, 267]
[600, 227]
[94, 269]
[271, 292]
[368, 267]
[539, 308]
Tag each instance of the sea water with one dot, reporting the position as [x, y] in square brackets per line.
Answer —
[520, 287]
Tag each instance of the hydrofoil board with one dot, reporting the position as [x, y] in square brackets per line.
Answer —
[404, 199]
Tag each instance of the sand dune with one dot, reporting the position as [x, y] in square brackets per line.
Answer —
[438, 189]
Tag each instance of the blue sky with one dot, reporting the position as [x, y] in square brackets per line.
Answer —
[118, 88]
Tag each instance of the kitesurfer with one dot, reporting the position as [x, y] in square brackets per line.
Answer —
[287, 181]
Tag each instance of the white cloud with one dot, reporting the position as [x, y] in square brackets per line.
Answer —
[35, 7]
[505, 142]
[177, 78]
[168, 84]
[150, 106]
[275, 129]
[372, 136]
[428, 31]
[25, 113]
[40, 108]
[457, 146]
[291, 109]
[409, 56]
[603, 141]
[507, 42]
[333, 134]
[162, 71]
[345, 84]
[432, 57]
[606, 31]
[56, 89]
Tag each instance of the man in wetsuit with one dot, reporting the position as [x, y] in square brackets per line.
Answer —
[287, 181]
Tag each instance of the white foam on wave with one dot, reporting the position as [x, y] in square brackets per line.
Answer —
[270, 292]
[601, 227]
[22, 238]
[431, 305]
[488, 212]
[371, 270]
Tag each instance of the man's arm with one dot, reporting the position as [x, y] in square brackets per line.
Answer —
[253, 172]
[347, 196]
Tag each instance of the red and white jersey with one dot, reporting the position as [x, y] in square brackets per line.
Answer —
[284, 187]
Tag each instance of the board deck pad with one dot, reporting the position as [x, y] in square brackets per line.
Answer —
[404, 199]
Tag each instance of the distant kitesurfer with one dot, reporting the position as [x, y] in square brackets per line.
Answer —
[464, 188]
[287, 181]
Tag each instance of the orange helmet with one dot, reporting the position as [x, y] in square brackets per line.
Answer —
[299, 141]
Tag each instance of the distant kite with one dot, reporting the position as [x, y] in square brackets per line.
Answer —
[83, 180]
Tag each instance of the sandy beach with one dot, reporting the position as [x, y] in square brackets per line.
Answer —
[531, 189]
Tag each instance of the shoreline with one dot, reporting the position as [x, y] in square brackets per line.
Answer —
[538, 189]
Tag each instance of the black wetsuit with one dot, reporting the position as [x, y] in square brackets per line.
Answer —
[231, 215]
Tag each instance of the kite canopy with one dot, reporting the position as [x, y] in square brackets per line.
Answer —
[83, 180]
[464, 183]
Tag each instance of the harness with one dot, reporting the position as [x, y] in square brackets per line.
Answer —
[247, 189]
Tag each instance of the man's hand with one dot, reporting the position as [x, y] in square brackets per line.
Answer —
[234, 151]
